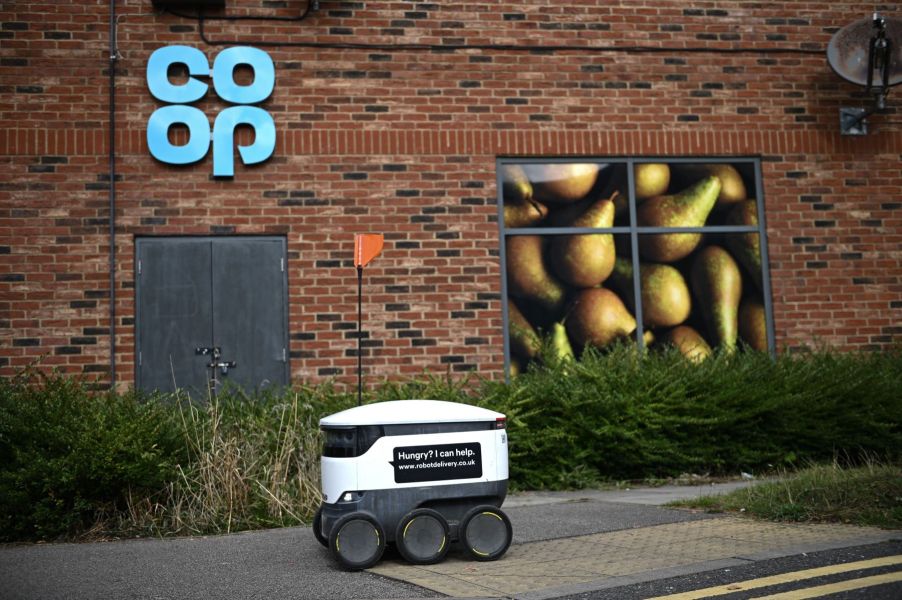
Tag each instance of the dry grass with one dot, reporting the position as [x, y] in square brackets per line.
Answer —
[254, 464]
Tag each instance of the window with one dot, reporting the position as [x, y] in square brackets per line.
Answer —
[658, 251]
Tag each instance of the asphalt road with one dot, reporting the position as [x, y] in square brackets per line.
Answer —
[290, 564]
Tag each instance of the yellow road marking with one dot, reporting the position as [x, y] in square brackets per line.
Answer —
[833, 588]
[751, 584]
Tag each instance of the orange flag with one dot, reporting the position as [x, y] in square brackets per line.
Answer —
[367, 246]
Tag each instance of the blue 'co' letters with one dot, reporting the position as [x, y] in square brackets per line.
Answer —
[178, 113]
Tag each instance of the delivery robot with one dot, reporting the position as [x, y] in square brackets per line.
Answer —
[420, 474]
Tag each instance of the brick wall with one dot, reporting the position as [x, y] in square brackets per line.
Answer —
[389, 118]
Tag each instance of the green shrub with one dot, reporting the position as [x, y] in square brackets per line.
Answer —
[69, 456]
[619, 416]
[123, 464]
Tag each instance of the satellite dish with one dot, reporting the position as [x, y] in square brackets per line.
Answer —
[867, 53]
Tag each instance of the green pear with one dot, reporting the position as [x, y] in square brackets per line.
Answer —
[520, 209]
[598, 317]
[689, 342]
[746, 247]
[753, 324]
[524, 340]
[732, 188]
[689, 208]
[666, 300]
[561, 182]
[717, 284]
[560, 342]
[528, 277]
[585, 260]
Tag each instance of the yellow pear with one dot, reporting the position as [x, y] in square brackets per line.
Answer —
[585, 260]
[666, 300]
[561, 182]
[514, 368]
[520, 209]
[753, 324]
[717, 283]
[528, 277]
[524, 340]
[651, 179]
[598, 317]
[689, 342]
[746, 247]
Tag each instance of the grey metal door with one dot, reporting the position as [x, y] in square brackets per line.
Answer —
[224, 293]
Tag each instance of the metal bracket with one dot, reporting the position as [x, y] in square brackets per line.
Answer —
[853, 121]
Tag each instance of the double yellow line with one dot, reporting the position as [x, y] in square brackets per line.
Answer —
[812, 592]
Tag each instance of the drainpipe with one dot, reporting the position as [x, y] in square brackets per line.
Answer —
[114, 56]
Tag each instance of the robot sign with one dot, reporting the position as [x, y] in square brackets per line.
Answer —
[437, 462]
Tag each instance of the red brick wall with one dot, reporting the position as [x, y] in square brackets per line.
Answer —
[404, 140]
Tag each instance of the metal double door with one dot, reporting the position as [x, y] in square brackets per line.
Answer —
[211, 312]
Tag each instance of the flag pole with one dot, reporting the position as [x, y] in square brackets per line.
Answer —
[366, 248]
[359, 335]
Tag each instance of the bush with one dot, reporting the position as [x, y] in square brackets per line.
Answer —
[125, 464]
[70, 456]
[619, 416]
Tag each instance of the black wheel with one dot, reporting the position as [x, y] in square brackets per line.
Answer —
[486, 533]
[318, 528]
[423, 537]
[357, 541]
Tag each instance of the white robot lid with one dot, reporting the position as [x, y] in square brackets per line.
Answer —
[397, 412]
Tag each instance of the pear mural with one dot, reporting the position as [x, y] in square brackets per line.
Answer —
[700, 290]
[689, 208]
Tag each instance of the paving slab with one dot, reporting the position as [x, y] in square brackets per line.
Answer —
[551, 568]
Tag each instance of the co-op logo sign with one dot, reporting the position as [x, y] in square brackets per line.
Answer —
[178, 112]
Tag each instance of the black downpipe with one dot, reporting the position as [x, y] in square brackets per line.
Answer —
[114, 56]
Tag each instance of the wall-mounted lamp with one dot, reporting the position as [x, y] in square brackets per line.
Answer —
[867, 53]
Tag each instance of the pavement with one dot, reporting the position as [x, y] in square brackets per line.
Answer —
[565, 544]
